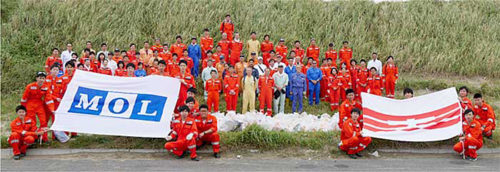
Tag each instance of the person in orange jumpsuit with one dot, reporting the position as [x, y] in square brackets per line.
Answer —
[210, 56]
[465, 102]
[325, 69]
[131, 52]
[190, 103]
[353, 72]
[331, 53]
[352, 139]
[130, 72]
[173, 65]
[282, 50]
[178, 47]
[104, 69]
[52, 59]
[346, 80]
[161, 69]
[265, 47]
[299, 52]
[213, 86]
[334, 88]
[157, 46]
[471, 139]
[186, 58]
[345, 53]
[361, 79]
[183, 135]
[23, 132]
[346, 107]
[240, 67]
[165, 54]
[187, 81]
[390, 73]
[485, 115]
[231, 89]
[227, 27]
[54, 93]
[207, 43]
[68, 74]
[33, 99]
[192, 93]
[224, 44]
[120, 70]
[207, 129]
[266, 87]
[235, 48]
[313, 51]
[375, 84]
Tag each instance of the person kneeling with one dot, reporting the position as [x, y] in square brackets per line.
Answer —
[184, 134]
[207, 126]
[24, 133]
[352, 140]
[471, 140]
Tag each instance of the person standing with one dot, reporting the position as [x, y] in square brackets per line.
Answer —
[213, 86]
[235, 48]
[280, 83]
[290, 69]
[66, 55]
[178, 47]
[207, 43]
[266, 47]
[345, 54]
[227, 27]
[374, 62]
[298, 88]
[231, 89]
[194, 52]
[249, 86]
[313, 51]
[266, 84]
[54, 58]
[253, 46]
[485, 115]
[33, 100]
[390, 73]
[314, 75]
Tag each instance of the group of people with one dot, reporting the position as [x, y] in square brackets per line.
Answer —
[270, 73]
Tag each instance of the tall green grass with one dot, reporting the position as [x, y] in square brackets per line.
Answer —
[459, 37]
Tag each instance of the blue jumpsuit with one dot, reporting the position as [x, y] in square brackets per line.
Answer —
[289, 71]
[314, 73]
[298, 83]
[194, 51]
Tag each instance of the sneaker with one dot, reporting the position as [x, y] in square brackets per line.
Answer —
[17, 157]
[22, 154]
[358, 155]
[471, 159]
[216, 155]
[352, 156]
[195, 159]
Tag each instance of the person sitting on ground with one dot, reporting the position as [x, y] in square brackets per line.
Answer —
[23, 132]
[485, 115]
[471, 139]
[183, 135]
[207, 128]
[352, 139]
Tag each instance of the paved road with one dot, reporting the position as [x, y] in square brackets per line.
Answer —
[416, 163]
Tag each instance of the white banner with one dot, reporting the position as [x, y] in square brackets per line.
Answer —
[430, 117]
[122, 106]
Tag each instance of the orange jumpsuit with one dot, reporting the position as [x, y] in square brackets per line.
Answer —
[265, 48]
[353, 72]
[213, 137]
[33, 100]
[266, 95]
[299, 52]
[361, 80]
[351, 140]
[466, 104]
[215, 61]
[325, 69]
[485, 116]
[224, 45]
[165, 55]
[236, 47]
[346, 56]
[22, 135]
[346, 84]
[50, 61]
[473, 139]
[231, 90]
[313, 51]
[188, 60]
[105, 71]
[345, 111]
[157, 47]
[390, 73]
[131, 55]
[334, 88]
[332, 54]
[227, 28]
[207, 43]
[180, 131]
[375, 85]
[282, 50]
[53, 96]
[178, 49]
[120, 72]
[189, 79]
[213, 87]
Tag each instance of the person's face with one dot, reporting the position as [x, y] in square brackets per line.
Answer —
[179, 40]
[210, 63]
[242, 59]
[268, 72]
[40, 79]
[132, 47]
[54, 71]
[105, 63]
[271, 63]
[374, 56]
[165, 47]
[184, 114]
[203, 112]
[249, 71]
[104, 47]
[363, 64]
[101, 56]
[123, 54]
[74, 56]
[193, 41]
[161, 67]
[280, 69]
[290, 61]
[207, 33]
[463, 93]
[374, 72]
[70, 68]
[292, 55]
[313, 42]
[354, 116]
[344, 66]
[139, 66]
[353, 63]
[253, 36]
[55, 52]
[126, 59]
[89, 45]
[130, 69]
[350, 96]
[146, 45]
[182, 66]
[408, 95]
[155, 53]
[224, 36]
[478, 101]
[314, 64]
[157, 42]
[266, 38]
[299, 68]
[469, 117]
[185, 53]
[236, 36]
[155, 63]
[228, 18]
[297, 45]
[69, 47]
[261, 61]
[214, 75]
[281, 43]
[390, 60]
[80, 67]
[219, 49]
[334, 72]
[174, 57]
[87, 62]
[309, 61]
[329, 62]
[190, 94]
[190, 105]
[21, 113]
[346, 44]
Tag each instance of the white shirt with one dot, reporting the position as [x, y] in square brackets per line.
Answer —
[112, 65]
[377, 64]
[205, 74]
[66, 57]
[261, 68]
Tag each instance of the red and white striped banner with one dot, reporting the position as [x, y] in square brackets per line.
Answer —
[431, 117]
